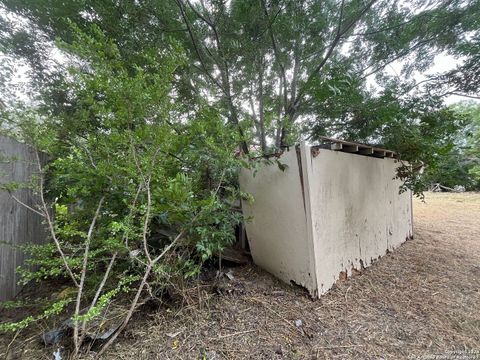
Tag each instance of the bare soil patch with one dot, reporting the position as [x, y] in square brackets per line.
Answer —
[420, 301]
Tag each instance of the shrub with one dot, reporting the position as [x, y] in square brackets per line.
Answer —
[141, 187]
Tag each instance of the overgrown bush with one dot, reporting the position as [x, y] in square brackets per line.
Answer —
[139, 189]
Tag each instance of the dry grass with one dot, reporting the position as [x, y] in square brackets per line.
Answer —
[419, 301]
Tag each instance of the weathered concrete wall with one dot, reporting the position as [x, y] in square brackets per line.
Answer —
[18, 225]
[334, 212]
[278, 229]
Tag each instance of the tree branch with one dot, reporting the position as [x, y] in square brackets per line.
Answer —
[26, 206]
[224, 69]
[194, 42]
[340, 32]
[78, 301]
[144, 280]
[400, 55]
[476, 97]
[50, 222]
[277, 56]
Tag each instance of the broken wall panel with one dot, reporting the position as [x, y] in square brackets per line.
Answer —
[347, 213]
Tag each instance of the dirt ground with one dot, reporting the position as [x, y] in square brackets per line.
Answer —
[420, 302]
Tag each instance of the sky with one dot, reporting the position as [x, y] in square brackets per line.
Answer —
[441, 63]
[20, 80]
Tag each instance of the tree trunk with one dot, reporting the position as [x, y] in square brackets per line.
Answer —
[261, 112]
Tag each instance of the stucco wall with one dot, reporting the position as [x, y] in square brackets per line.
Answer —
[347, 214]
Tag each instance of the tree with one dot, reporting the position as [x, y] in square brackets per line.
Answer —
[313, 54]
[457, 163]
[269, 67]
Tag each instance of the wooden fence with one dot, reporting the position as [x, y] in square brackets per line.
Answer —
[18, 225]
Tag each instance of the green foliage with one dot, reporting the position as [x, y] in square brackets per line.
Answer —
[425, 135]
[421, 129]
[45, 261]
[54, 309]
[160, 171]
[105, 299]
[459, 164]
[268, 67]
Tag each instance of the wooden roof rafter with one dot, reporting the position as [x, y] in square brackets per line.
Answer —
[356, 148]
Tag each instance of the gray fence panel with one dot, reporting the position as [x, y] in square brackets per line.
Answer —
[18, 225]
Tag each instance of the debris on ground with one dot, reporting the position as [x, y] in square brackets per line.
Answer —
[53, 336]
[236, 256]
[57, 355]
[440, 188]
[229, 275]
[97, 331]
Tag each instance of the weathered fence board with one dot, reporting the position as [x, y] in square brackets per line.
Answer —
[18, 225]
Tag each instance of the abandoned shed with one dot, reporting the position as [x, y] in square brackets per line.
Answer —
[329, 210]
